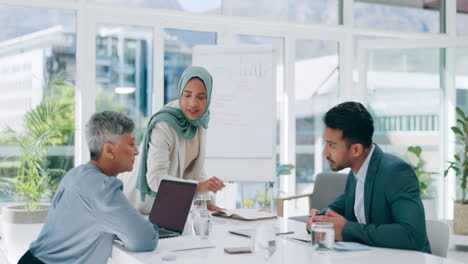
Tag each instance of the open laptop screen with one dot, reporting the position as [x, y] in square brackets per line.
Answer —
[172, 204]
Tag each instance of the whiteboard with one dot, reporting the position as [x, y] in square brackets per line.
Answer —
[242, 106]
[240, 143]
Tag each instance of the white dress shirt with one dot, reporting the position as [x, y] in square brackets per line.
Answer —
[360, 177]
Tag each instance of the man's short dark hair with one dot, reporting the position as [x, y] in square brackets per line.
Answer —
[354, 120]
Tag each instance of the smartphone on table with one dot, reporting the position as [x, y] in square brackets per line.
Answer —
[237, 250]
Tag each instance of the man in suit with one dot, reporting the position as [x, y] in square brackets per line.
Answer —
[381, 204]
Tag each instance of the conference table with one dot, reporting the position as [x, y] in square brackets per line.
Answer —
[287, 250]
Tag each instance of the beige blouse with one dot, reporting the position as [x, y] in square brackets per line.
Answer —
[192, 149]
[167, 160]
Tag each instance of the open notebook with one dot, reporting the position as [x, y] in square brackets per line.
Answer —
[244, 214]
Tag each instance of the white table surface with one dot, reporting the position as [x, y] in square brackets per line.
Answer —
[287, 251]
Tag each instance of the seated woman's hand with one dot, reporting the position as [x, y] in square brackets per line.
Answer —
[213, 184]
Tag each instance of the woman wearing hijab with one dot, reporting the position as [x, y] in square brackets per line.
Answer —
[174, 142]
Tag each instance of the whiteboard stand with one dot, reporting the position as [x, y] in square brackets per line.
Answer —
[240, 141]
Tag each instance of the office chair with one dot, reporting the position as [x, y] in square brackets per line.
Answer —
[328, 186]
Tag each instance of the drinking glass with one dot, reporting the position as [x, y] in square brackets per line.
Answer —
[323, 236]
[201, 224]
[199, 203]
[264, 240]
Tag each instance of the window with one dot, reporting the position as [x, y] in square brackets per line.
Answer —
[397, 79]
[205, 6]
[462, 17]
[37, 64]
[124, 72]
[307, 11]
[409, 16]
[178, 45]
[461, 78]
[316, 91]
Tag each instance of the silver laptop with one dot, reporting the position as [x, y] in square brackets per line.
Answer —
[171, 207]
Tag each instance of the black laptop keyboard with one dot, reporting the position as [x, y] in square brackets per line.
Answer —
[166, 233]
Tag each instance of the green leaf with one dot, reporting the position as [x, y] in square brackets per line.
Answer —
[284, 169]
[460, 112]
[457, 131]
[465, 163]
[415, 149]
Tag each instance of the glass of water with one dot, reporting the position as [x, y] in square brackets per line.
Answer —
[264, 240]
[323, 236]
[201, 224]
[199, 202]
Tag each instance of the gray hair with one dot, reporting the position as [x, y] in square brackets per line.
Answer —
[106, 127]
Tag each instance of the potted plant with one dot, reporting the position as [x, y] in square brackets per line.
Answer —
[263, 197]
[284, 169]
[459, 165]
[425, 179]
[266, 196]
[33, 181]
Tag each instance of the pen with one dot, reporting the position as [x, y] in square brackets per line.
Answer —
[184, 249]
[285, 233]
[298, 239]
[321, 213]
[239, 234]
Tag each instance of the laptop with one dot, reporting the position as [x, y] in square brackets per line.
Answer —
[171, 207]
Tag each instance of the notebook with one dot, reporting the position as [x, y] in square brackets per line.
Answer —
[244, 214]
[171, 207]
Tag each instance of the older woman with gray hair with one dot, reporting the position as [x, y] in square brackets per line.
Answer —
[89, 208]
